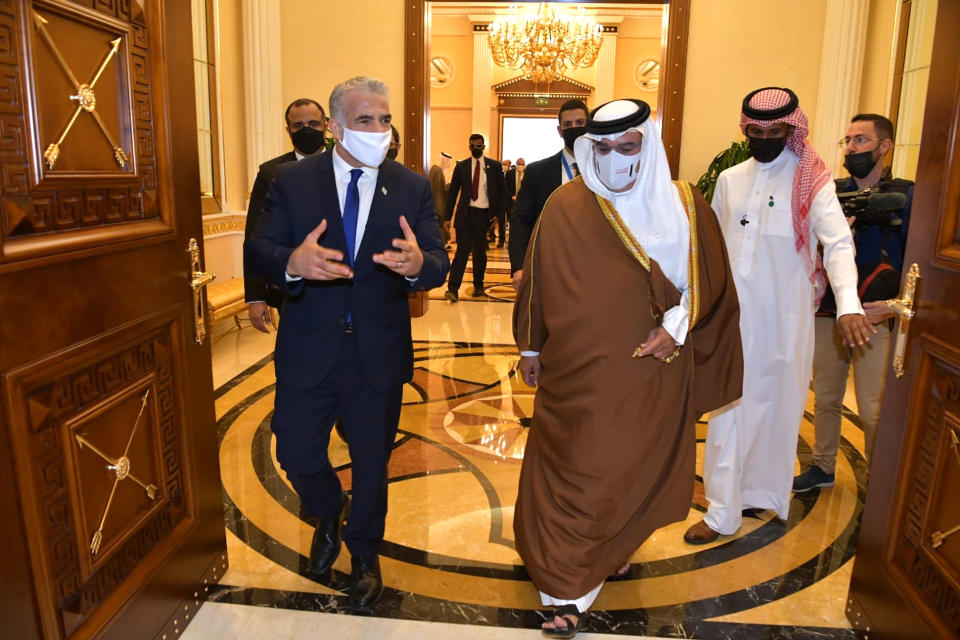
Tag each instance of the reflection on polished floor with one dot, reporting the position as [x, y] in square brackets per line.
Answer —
[449, 555]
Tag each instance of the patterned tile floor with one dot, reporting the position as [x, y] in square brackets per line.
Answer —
[449, 555]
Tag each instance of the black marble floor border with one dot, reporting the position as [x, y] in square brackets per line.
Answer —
[679, 621]
[739, 547]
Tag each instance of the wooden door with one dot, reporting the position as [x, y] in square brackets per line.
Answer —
[109, 477]
[906, 578]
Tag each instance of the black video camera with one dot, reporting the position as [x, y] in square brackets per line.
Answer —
[873, 206]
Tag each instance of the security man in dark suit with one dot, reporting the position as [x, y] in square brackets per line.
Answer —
[307, 126]
[347, 235]
[541, 179]
[510, 179]
[479, 193]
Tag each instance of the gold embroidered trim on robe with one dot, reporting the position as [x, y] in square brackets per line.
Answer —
[693, 268]
[634, 247]
[621, 230]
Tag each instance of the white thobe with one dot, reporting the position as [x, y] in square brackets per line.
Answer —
[752, 442]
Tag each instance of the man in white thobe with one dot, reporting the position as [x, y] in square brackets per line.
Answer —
[773, 210]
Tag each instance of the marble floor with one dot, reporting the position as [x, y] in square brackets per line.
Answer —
[449, 562]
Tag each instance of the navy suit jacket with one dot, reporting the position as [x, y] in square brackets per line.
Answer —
[540, 179]
[315, 312]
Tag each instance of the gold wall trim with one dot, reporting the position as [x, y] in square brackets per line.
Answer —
[225, 223]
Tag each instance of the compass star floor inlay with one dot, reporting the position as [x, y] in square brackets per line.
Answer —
[449, 554]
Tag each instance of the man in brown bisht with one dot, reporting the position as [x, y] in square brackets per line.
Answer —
[627, 319]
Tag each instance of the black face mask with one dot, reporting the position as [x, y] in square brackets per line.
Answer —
[476, 153]
[570, 135]
[860, 164]
[393, 152]
[765, 149]
[307, 140]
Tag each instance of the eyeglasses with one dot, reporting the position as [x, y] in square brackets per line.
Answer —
[624, 148]
[858, 140]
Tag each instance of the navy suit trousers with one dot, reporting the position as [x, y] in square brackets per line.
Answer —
[302, 421]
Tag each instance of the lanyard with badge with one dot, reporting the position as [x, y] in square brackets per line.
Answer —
[566, 166]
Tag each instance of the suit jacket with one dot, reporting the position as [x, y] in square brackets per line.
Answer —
[510, 178]
[540, 179]
[462, 184]
[255, 289]
[315, 312]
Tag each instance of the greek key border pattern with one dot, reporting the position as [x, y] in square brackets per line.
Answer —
[927, 578]
[30, 212]
[64, 398]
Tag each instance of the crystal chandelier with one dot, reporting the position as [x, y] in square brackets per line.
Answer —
[545, 45]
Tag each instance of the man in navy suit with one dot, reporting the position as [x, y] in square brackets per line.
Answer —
[542, 179]
[478, 181]
[347, 235]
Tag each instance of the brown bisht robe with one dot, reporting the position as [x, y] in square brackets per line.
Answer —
[611, 452]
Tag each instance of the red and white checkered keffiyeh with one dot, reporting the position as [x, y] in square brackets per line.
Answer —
[811, 175]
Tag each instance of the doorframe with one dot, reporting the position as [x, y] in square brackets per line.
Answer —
[417, 79]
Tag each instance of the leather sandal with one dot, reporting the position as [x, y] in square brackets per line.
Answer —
[566, 613]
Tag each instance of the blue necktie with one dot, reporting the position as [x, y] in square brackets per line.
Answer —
[351, 209]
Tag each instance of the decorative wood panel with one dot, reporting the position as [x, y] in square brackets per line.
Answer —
[79, 155]
[98, 434]
[928, 559]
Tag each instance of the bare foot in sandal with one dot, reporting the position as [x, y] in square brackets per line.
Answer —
[621, 572]
[566, 622]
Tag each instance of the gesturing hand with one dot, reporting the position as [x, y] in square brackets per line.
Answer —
[407, 260]
[314, 262]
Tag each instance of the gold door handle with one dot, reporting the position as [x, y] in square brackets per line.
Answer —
[903, 307]
[201, 279]
[198, 280]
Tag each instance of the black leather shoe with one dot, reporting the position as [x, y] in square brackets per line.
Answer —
[366, 585]
[326, 541]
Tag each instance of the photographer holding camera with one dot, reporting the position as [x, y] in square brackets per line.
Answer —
[878, 210]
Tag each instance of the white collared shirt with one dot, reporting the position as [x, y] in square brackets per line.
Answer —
[365, 186]
[482, 201]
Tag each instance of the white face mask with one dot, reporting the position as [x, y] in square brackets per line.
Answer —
[368, 147]
[615, 170]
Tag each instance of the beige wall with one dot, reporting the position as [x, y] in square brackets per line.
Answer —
[732, 49]
[449, 131]
[324, 43]
[735, 47]
[878, 57]
[236, 183]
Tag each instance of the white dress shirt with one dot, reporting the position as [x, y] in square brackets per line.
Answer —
[482, 201]
[365, 186]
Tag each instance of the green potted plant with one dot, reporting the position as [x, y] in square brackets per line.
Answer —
[736, 154]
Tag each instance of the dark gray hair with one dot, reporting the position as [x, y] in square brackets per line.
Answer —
[363, 83]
